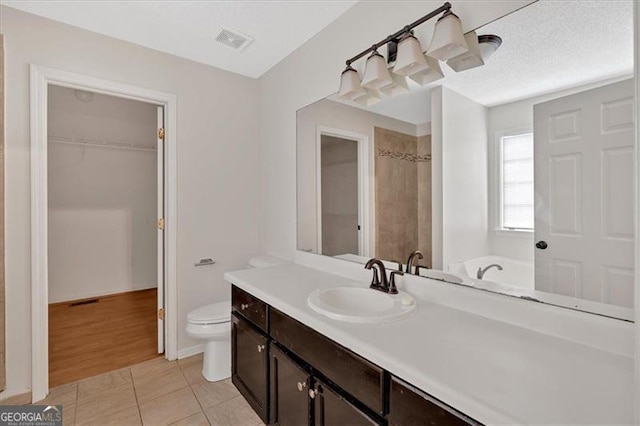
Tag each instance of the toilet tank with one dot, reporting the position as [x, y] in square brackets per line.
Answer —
[265, 261]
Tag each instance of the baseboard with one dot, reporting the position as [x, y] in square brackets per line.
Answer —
[192, 350]
[15, 399]
[98, 294]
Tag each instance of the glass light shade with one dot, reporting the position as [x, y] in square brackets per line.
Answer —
[488, 44]
[398, 87]
[410, 58]
[448, 40]
[376, 74]
[429, 75]
[350, 87]
[371, 97]
[470, 59]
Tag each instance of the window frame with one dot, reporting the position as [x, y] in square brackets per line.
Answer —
[499, 170]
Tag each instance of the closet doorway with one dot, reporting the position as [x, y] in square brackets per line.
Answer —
[105, 170]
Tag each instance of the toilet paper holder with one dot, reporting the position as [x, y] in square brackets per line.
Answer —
[205, 262]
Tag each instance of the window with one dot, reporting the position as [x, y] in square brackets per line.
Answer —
[516, 185]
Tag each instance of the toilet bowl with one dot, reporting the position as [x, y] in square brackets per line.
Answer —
[212, 323]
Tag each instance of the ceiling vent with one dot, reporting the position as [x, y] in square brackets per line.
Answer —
[234, 39]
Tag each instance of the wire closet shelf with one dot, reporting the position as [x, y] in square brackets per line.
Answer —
[101, 143]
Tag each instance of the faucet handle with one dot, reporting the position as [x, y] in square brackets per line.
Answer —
[399, 264]
[392, 281]
[418, 269]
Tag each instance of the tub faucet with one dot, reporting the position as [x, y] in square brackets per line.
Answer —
[482, 271]
[412, 256]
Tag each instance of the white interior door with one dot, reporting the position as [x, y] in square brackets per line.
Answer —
[160, 228]
[584, 194]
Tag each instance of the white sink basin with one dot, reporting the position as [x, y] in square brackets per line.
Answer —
[361, 305]
[445, 276]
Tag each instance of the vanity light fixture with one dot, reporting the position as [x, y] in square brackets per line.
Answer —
[376, 74]
[471, 58]
[447, 44]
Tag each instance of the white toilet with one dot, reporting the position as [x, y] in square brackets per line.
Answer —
[212, 323]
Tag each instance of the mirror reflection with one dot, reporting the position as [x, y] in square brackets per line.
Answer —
[515, 176]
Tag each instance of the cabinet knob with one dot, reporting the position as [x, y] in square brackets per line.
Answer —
[260, 348]
[313, 393]
[244, 306]
[301, 386]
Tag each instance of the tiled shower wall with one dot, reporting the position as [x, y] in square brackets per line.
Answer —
[402, 195]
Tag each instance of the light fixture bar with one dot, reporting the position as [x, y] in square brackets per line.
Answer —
[394, 37]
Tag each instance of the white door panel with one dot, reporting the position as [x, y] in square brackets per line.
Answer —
[584, 194]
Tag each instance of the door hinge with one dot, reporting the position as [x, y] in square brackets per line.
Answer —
[161, 224]
[161, 313]
[161, 133]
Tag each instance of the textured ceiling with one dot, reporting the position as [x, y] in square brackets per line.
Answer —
[547, 46]
[188, 28]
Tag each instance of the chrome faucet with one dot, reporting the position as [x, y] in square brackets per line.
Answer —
[379, 282]
[482, 271]
[412, 257]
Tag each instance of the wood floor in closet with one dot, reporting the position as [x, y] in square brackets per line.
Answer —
[87, 339]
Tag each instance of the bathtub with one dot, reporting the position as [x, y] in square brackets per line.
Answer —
[515, 272]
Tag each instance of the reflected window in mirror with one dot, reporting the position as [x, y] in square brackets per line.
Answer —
[516, 183]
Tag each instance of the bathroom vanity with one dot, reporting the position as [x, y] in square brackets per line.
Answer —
[291, 374]
[438, 366]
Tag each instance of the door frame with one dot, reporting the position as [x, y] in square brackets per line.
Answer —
[41, 78]
[364, 198]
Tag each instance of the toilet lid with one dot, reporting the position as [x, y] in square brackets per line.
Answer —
[211, 314]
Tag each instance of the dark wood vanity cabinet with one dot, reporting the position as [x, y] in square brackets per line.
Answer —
[411, 406]
[254, 310]
[289, 393]
[250, 364]
[330, 408]
[293, 375]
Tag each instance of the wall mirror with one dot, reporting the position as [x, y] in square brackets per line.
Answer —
[516, 176]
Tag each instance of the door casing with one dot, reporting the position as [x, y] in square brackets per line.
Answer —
[41, 78]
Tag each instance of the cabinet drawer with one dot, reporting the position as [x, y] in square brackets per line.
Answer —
[331, 409]
[249, 307]
[410, 406]
[357, 376]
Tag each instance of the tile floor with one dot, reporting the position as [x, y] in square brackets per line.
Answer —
[154, 393]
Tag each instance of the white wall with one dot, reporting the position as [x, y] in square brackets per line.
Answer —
[461, 145]
[102, 201]
[217, 163]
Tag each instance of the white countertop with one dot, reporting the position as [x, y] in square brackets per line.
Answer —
[495, 372]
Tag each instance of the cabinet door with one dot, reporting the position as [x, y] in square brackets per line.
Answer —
[331, 409]
[411, 406]
[250, 365]
[289, 390]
